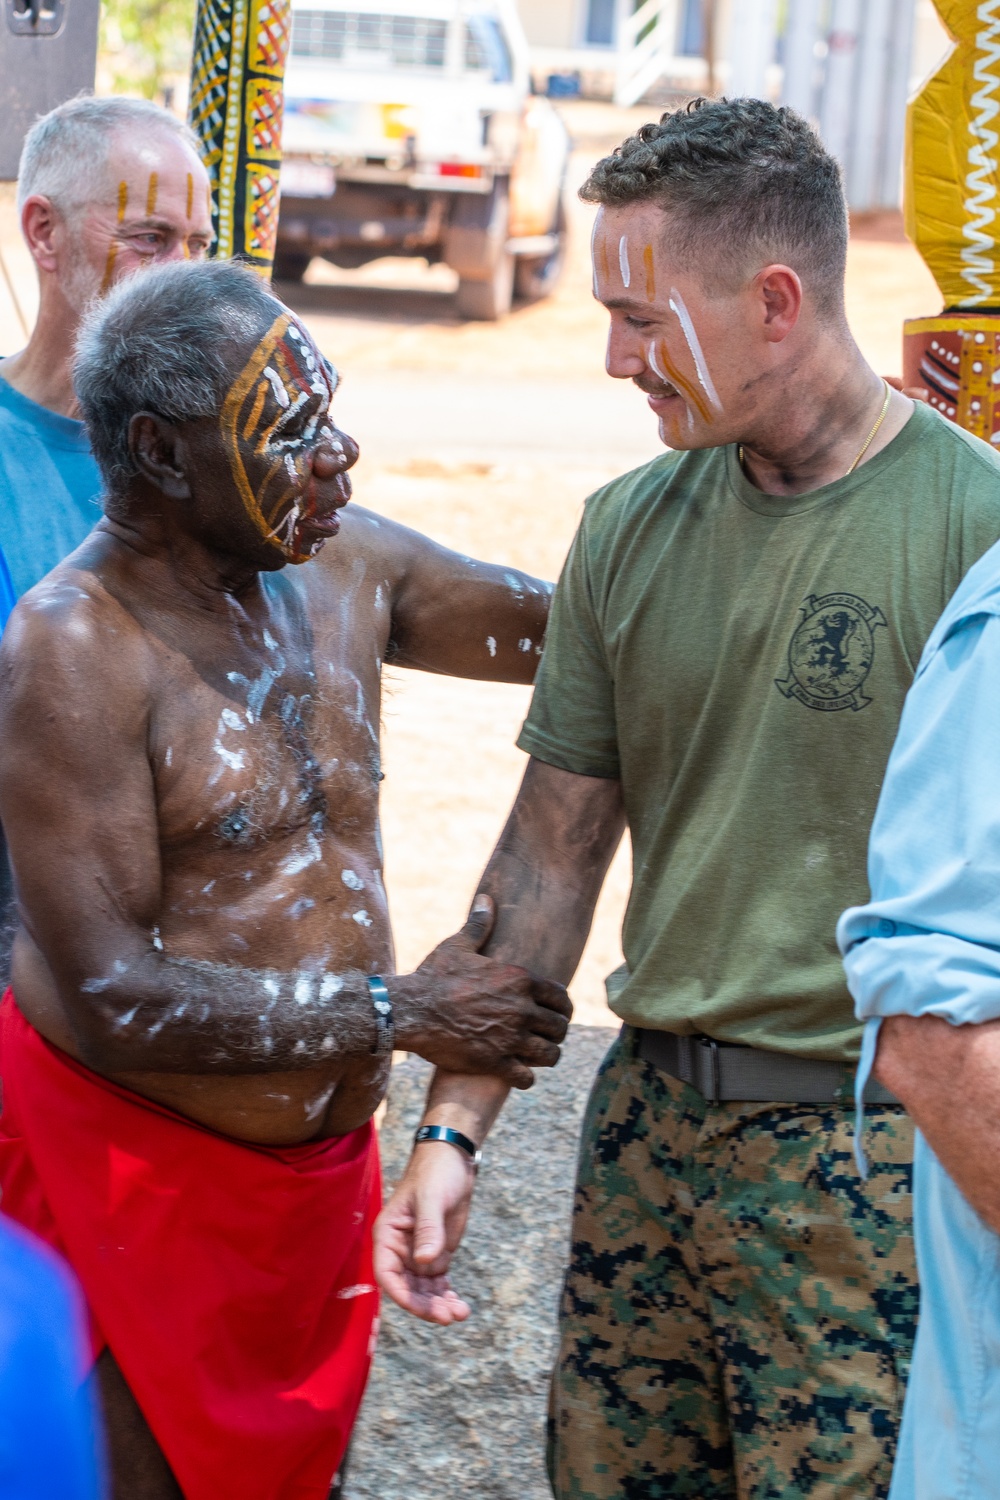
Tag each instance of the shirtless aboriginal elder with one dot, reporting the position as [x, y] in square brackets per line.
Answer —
[189, 770]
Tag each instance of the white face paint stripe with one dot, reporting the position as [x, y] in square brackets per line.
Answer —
[593, 257]
[280, 394]
[655, 367]
[677, 305]
[623, 261]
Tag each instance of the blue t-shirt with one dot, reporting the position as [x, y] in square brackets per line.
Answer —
[7, 596]
[49, 1444]
[50, 487]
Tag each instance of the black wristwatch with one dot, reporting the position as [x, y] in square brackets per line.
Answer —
[451, 1138]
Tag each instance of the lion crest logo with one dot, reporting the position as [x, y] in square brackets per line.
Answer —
[831, 652]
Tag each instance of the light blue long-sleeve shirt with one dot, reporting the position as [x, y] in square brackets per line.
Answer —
[928, 943]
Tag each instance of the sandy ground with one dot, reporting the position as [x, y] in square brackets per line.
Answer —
[489, 438]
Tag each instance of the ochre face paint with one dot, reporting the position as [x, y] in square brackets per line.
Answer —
[109, 265]
[601, 261]
[151, 192]
[280, 377]
[647, 261]
[190, 193]
[663, 366]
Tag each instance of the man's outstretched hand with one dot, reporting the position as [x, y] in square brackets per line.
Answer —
[419, 1230]
[468, 1013]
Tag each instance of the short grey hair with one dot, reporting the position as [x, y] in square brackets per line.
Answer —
[165, 341]
[65, 152]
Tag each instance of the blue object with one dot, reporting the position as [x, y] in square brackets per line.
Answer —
[563, 86]
[7, 596]
[49, 1445]
[50, 487]
[928, 943]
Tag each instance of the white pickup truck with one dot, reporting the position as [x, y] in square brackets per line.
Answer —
[411, 129]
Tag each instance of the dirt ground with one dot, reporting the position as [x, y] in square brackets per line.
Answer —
[489, 438]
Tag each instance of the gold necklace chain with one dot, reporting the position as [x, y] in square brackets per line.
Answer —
[864, 446]
[875, 427]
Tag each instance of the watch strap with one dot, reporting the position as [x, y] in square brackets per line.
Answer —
[386, 1029]
[451, 1138]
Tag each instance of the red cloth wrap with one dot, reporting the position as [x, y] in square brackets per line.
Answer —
[233, 1283]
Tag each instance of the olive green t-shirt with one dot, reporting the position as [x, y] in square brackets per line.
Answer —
[739, 661]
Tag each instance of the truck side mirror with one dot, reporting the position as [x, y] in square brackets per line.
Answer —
[35, 17]
[48, 53]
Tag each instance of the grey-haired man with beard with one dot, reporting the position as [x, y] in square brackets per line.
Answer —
[105, 187]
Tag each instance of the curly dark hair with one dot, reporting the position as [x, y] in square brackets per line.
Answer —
[744, 182]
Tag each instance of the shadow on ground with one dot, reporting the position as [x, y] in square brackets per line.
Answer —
[412, 306]
[377, 304]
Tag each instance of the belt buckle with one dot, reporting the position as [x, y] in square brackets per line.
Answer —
[711, 1046]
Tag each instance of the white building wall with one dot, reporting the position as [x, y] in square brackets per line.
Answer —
[551, 23]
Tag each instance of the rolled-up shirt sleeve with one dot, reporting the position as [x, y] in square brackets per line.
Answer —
[928, 941]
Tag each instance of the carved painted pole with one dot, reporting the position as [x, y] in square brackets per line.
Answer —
[953, 218]
[237, 83]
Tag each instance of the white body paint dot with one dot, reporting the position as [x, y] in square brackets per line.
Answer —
[231, 758]
[491, 645]
[352, 881]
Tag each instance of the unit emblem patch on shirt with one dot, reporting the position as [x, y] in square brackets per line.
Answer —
[831, 652]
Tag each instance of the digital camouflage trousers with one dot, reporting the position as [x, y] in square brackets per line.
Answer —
[739, 1309]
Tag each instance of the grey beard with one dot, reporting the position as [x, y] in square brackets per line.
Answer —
[80, 285]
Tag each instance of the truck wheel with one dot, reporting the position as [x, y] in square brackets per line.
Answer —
[290, 265]
[476, 247]
[488, 301]
[535, 279]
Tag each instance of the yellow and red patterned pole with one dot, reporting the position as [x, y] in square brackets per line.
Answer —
[953, 217]
[237, 84]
